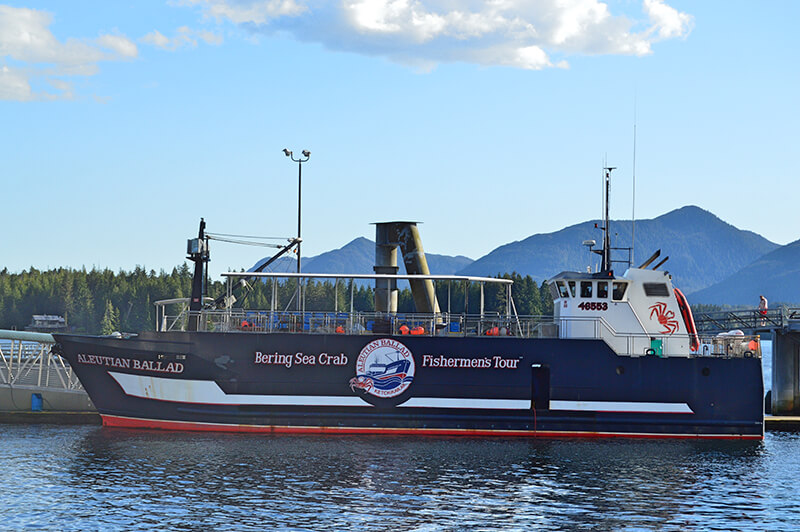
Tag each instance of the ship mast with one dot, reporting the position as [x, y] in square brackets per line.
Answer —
[606, 265]
[197, 249]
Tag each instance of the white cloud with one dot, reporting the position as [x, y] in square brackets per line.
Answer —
[668, 22]
[14, 85]
[185, 37]
[248, 11]
[156, 38]
[119, 44]
[26, 40]
[519, 33]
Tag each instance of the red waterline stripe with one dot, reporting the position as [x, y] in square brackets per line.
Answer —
[138, 423]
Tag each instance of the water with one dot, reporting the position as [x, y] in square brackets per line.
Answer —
[766, 363]
[91, 478]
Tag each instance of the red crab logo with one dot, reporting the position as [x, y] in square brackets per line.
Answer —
[666, 318]
[361, 383]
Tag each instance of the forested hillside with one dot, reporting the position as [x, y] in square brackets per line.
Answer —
[102, 301]
[84, 297]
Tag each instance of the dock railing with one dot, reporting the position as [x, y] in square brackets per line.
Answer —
[26, 360]
[746, 319]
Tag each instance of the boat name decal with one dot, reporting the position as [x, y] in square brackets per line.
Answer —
[593, 305]
[384, 368]
[300, 359]
[127, 363]
[495, 362]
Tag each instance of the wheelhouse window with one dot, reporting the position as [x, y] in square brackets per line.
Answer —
[586, 289]
[602, 289]
[656, 289]
[562, 289]
[571, 285]
[619, 291]
[553, 290]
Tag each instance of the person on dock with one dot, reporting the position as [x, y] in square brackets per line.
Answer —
[762, 309]
[752, 345]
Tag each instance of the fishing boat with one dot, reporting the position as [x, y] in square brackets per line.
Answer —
[619, 357]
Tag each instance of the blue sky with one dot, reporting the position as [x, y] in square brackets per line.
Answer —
[125, 122]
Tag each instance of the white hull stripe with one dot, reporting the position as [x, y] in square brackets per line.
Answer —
[622, 406]
[209, 392]
[456, 402]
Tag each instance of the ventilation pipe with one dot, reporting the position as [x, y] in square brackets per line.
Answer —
[388, 237]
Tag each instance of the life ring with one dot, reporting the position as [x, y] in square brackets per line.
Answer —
[649, 351]
[688, 320]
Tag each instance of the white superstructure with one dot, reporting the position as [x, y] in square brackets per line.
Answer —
[637, 314]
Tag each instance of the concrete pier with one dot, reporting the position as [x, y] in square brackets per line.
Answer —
[50, 418]
[785, 373]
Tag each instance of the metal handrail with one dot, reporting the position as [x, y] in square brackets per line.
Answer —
[26, 360]
[749, 319]
[446, 324]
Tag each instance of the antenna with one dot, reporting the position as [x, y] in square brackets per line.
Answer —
[633, 203]
[606, 266]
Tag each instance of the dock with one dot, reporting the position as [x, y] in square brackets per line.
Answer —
[17, 417]
[782, 423]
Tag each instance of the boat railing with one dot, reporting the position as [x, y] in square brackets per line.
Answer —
[310, 322]
[450, 324]
[662, 345]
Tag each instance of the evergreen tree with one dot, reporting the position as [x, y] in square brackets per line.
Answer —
[110, 321]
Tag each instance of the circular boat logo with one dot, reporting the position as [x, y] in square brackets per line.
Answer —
[384, 368]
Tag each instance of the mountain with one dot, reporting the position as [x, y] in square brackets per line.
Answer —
[358, 256]
[702, 249]
[776, 275]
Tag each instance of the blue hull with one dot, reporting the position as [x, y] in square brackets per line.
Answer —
[250, 382]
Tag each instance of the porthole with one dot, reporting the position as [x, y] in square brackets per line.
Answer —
[620, 370]
[706, 372]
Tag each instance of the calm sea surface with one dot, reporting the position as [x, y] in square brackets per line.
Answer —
[91, 478]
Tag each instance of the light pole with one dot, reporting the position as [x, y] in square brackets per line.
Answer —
[299, 161]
